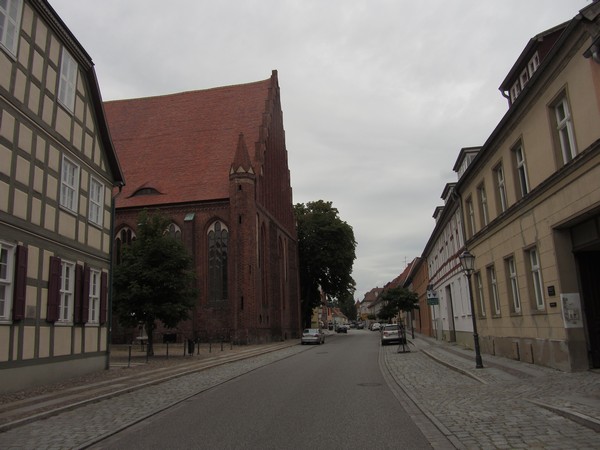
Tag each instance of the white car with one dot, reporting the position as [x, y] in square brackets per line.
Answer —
[312, 336]
[376, 326]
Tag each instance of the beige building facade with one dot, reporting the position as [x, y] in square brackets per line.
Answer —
[57, 172]
[531, 205]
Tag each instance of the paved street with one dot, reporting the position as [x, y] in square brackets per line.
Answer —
[506, 405]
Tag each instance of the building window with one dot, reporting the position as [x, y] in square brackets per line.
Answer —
[7, 263]
[521, 170]
[218, 237]
[174, 231]
[493, 287]
[67, 292]
[483, 204]
[69, 185]
[10, 24]
[536, 278]
[68, 81]
[533, 64]
[564, 127]
[96, 211]
[94, 297]
[124, 237]
[515, 90]
[511, 270]
[479, 292]
[500, 188]
[470, 217]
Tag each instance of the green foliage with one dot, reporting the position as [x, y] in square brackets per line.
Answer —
[395, 300]
[156, 278]
[327, 250]
[348, 306]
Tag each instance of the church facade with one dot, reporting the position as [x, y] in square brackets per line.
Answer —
[215, 162]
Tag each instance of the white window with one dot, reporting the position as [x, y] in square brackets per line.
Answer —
[536, 278]
[94, 306]
[68, 81]
[524, 78]
[521, 170]
[533, 64]
[69, 190]
[564, 126]
[67, 292]
[514, 285]
[494, 289]
[483, 204]
[501, 187]
[96, 211]
[471, 217]
[479, 290]
[7, 262]
[10, 24]
[515, 90]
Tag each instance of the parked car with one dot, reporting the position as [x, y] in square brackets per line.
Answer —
[390, 334]
[312, 336]
[360, 325]
[376, 326]
[342, 329]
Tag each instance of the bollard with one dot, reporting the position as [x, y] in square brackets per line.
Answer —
[167, 350]
[209, 346]
[222, 343]
[129, 357]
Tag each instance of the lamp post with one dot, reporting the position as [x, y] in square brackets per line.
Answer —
[467, 261]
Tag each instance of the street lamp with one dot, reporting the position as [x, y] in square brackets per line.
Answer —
[467, 261]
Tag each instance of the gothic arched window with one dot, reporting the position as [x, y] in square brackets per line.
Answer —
[124, 237]
[218, 237]
[174, 231]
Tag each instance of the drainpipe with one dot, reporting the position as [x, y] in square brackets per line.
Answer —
[110, 273]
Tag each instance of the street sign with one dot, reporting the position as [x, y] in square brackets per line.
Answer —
[433, 301]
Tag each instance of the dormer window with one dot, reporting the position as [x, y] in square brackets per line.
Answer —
[145, 191]
[525, 76]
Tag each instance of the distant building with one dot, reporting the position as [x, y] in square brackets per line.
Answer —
[215, 162]
[57, 171]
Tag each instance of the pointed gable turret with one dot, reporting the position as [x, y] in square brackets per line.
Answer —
[241, 161]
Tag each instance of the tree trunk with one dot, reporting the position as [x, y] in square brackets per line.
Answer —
[150, 326]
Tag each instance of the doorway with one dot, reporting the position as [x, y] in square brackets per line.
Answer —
[589, 274]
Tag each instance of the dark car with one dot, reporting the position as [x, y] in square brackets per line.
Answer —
[342, 329]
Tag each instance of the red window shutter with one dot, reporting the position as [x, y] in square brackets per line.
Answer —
[53, 289]
[103, 296]
[77, 293]
[20, 284]
[85, 295]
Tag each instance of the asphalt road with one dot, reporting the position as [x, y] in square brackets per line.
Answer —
[331, 396]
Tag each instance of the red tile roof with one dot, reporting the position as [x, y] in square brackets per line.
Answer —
[183, 145]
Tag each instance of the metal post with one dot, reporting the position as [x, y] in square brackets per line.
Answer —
[478, 361]
[129, 357]
[167, 349]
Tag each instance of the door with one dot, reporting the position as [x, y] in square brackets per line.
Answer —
[589, 274]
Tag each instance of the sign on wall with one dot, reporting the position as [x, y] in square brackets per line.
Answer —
[571, 310]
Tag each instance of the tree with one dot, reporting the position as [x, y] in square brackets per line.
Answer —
[326, 248]
[396, 300]
[347, 305]
[155, 280]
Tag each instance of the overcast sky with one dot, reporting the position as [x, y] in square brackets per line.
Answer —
[378, 96]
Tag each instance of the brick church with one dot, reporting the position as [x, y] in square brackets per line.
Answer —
[215, 162]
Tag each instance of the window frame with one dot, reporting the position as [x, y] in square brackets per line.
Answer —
[68, 186]
[493, 288]
[483, 204]
[7, 280]
[96, 203]
[94, 297]
[217, 239]
[470, 216]
[521, 169]
[11, 27]
[480, 294]
[513, 283]
[500, 181]
[67, 293]
[537, 284]
[67, 80]
[565, 132]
